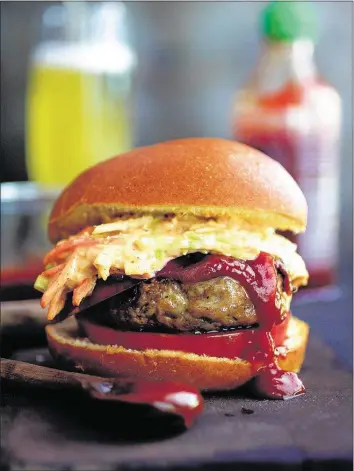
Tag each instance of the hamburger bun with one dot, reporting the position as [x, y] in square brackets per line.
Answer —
[202, 176]
[204, 372]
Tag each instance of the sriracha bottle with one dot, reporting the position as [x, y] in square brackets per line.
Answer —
[291, 114]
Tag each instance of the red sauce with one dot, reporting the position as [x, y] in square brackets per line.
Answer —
[259, 278]
[293, 94]
[275, 383]
[177, 399]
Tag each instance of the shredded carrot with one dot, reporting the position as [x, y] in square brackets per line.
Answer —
[65, 257]
[54, 270]
[67, 246]
[56, 304]
[58, 282]
[50, 291]
[83, 290]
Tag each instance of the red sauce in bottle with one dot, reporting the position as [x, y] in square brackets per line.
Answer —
[287, 110]
[290, 114]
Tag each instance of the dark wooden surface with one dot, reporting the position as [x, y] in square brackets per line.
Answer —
[43, 430]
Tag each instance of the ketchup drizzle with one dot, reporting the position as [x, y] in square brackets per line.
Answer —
[259, 277]
[173, 398]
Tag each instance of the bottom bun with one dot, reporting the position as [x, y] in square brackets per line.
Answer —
[202, 371]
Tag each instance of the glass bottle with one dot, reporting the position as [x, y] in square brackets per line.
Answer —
[288, 111]
[79, 91]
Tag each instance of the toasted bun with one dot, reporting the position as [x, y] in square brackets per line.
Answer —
[203, 372]
[201, 176]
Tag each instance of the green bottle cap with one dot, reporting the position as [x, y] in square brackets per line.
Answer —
[288, 21]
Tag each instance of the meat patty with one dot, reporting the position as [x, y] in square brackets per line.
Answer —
[204, 306]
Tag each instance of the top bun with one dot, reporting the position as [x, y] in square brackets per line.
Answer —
[202, 176]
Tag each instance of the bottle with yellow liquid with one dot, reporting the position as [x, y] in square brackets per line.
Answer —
[79, 89]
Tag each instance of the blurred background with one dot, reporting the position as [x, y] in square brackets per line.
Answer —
[85, 81]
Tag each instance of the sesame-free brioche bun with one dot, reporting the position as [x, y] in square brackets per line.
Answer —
[202, 176]
[204, 372]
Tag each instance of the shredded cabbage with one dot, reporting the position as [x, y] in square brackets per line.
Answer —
[141, 246]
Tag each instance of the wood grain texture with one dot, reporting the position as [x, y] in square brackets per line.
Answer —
[34, 375]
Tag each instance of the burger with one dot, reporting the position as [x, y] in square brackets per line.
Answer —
[169, 266]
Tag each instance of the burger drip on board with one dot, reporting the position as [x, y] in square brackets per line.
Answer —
[168, 266]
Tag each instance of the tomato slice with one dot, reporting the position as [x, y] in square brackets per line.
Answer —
[233, 344]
